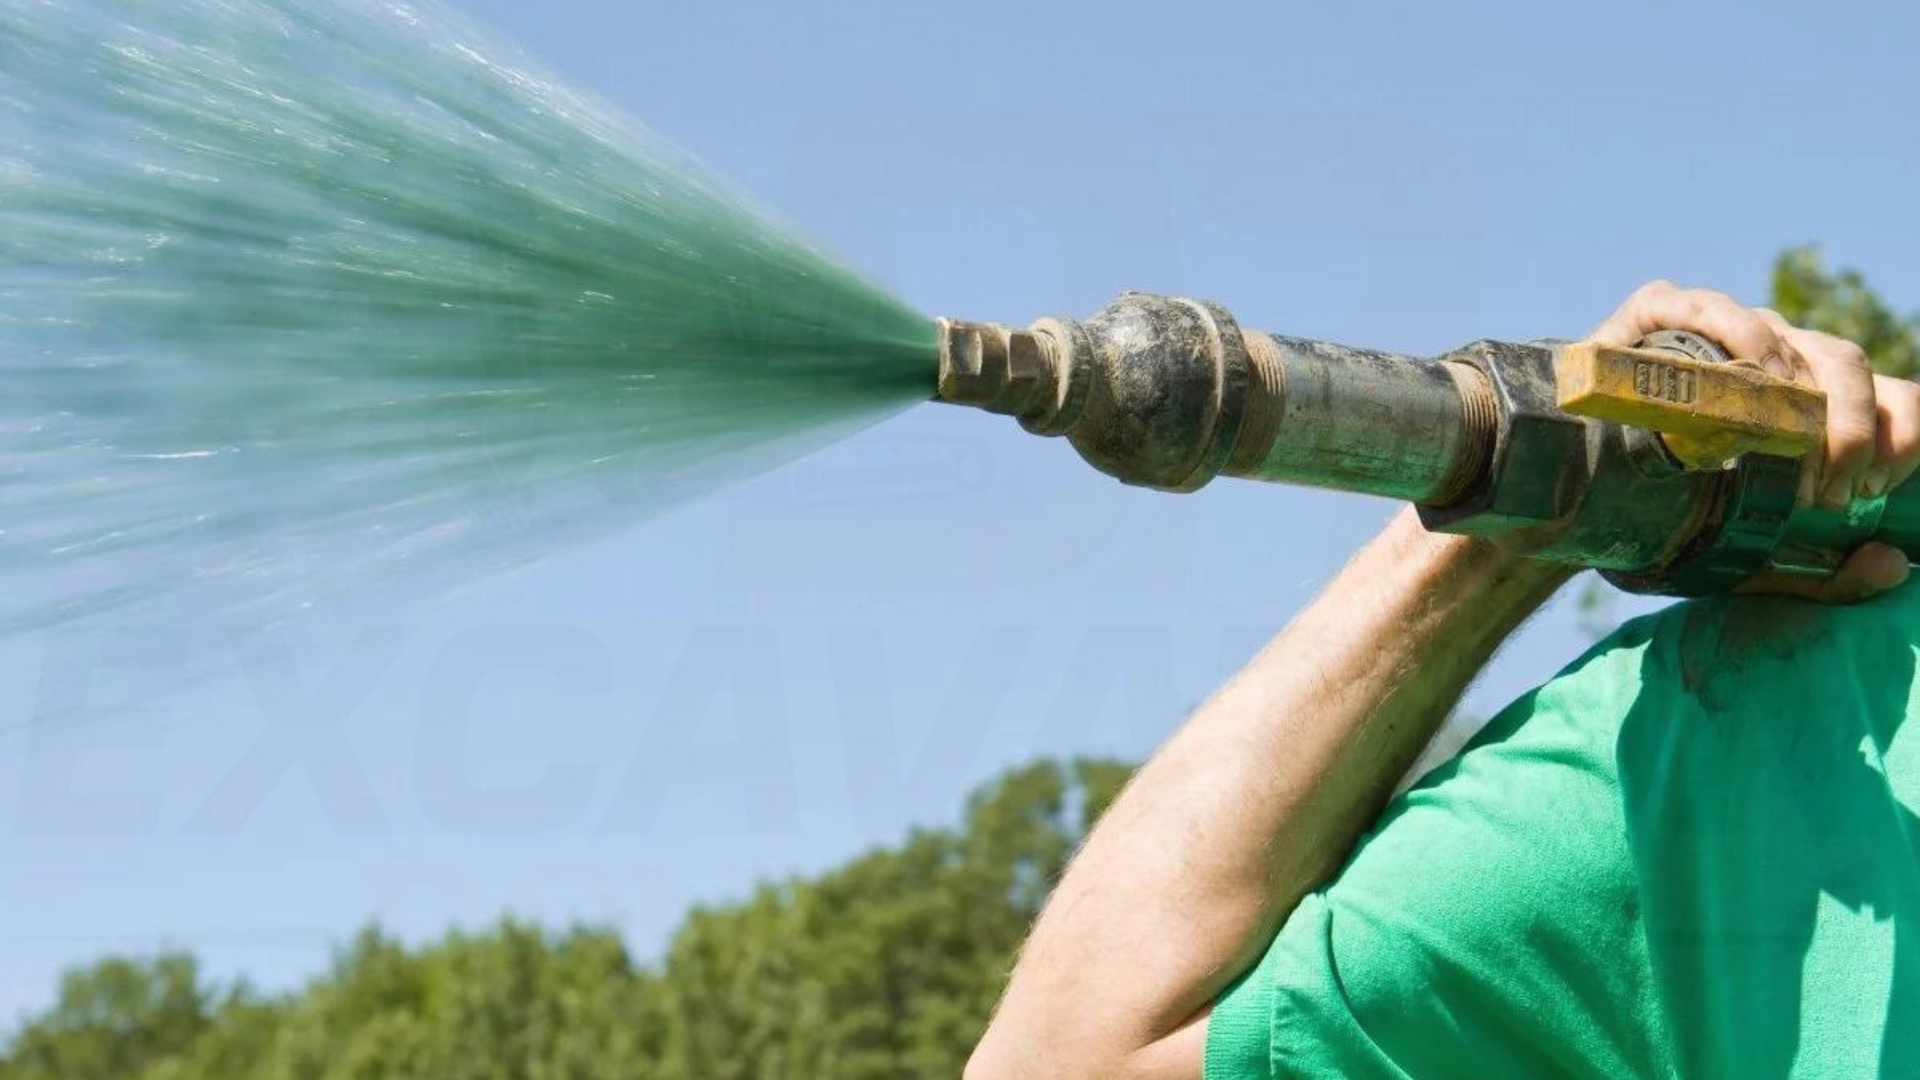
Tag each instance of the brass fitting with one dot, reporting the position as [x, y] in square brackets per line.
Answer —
[1026, 374]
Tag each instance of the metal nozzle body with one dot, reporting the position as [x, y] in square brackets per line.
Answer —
[1169, 392]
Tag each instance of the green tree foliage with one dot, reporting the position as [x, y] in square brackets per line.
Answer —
[884, 968]
[112, 1019]
[1842, 303]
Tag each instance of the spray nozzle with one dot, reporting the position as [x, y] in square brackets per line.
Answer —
[1022, 373]
[1168, 392]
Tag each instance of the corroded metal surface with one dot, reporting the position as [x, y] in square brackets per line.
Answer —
[1169, 392]
[1365, 421]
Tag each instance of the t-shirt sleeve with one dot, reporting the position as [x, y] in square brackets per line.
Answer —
[1487, 927]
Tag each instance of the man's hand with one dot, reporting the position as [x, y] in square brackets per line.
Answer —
[1873, 421]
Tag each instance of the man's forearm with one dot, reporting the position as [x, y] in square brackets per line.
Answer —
[1252, 804]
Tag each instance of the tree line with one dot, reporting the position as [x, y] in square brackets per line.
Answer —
[886, 967]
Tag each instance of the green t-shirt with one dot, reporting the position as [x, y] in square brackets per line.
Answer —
[1694, 853]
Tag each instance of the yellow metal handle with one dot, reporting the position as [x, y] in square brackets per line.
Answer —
[1706, 413]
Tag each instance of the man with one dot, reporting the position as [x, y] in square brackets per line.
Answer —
[1693, 853]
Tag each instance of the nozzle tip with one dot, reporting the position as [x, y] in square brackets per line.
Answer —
[993, 367]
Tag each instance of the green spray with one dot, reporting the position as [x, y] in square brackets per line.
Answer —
[297, 294]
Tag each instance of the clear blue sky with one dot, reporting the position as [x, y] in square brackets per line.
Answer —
[885, 624]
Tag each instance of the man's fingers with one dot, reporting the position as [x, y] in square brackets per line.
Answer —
[1876, 567]
[1853, 416]
[1623, 327]
[1661, 305]
[1872, 569]
[1813, 465]
[1785, 330]
[1898, 450]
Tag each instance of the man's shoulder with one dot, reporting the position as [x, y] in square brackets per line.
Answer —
[1741, 654]
[1714, 688]
[1748, 655]
[1669, 811]
[1766, 771]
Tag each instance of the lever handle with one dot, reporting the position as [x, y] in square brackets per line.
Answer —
[1707, 413]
